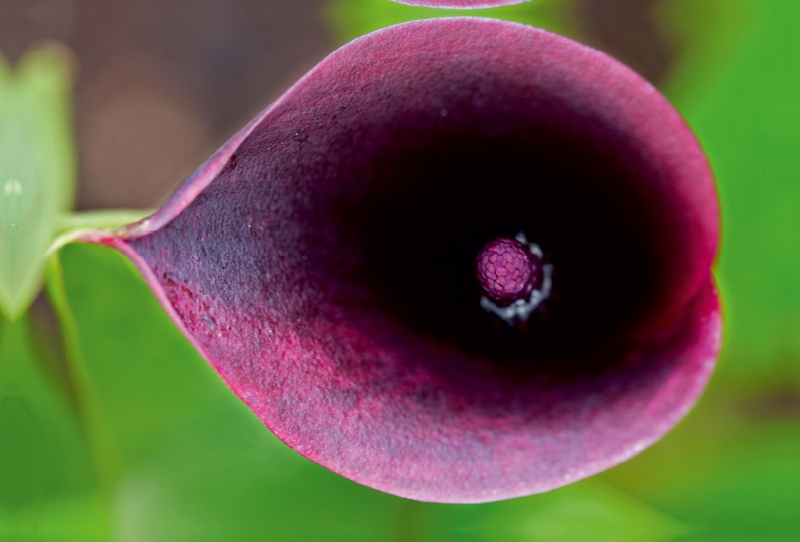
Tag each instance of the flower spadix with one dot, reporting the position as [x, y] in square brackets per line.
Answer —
[37, 170]
[324, 262]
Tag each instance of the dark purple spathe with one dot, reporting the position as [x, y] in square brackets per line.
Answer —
[323, 261]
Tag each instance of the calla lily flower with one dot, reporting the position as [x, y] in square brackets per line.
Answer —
[461, 260]
[460, 4]
[37, 170]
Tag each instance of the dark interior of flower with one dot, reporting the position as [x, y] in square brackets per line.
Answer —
[422, 224]
[396, 226]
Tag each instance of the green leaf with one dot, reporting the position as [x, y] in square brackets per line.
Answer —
[707, 36]
[589, 511]
[730, 470]
[107, 460]
[740, 96]
[79, 518]
[37, 170]
[43, 454]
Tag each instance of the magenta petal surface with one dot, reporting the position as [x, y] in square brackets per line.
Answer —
[460, 4]
[323, 261]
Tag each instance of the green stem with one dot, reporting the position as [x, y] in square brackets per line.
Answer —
[102, 219]
[105, 452]
[72, 226]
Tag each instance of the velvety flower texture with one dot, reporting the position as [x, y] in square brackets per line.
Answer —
[460, 4]
[324, 261]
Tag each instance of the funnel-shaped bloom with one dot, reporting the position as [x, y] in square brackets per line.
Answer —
[460, 4]
[324, 262]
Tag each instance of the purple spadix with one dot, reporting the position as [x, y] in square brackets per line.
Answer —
[508, 271]
[324, 262]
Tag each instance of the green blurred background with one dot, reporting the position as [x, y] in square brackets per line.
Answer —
[113, 428]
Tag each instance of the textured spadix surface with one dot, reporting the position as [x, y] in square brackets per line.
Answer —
[323, 261]
[37, 170]
[460, 4]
